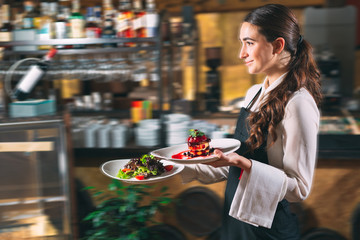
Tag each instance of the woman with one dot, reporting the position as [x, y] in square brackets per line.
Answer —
[277, 129]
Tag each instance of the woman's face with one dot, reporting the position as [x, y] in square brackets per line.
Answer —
[257, 53]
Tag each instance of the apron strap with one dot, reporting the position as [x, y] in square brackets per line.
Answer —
[253, 100]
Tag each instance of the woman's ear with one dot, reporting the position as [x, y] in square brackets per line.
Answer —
[278, 45]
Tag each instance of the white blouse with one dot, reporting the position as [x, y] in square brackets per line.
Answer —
[292, 160]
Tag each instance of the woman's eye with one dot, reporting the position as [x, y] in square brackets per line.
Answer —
[249, 43]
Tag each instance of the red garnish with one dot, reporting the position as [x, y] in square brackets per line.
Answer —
[126, 170]
[139, 177]
[168, 167]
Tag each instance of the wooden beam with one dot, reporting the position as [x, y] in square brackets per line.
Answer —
[205, 6]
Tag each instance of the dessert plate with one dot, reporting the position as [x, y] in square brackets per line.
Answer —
[227, 145]
[112, 167]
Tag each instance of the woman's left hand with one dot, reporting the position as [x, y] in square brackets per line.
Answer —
[232, 159]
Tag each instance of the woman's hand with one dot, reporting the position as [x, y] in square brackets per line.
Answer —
[232, 159]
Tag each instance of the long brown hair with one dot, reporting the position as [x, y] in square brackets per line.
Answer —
[274, 21]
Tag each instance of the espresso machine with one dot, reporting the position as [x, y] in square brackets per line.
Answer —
[330, 68]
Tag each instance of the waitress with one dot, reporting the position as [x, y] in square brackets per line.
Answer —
[277, 127]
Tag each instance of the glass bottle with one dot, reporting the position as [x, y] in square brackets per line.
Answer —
[29, 15]
[92, 30]
[32, 76]
[60, 26]
[6, 28]
[151, 19]
[108, 9]
[77, 21]
[108, 32]
[45, 30]
[123, 20]
[139, 19]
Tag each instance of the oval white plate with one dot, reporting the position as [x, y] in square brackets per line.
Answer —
[227, 145]
[112, 167]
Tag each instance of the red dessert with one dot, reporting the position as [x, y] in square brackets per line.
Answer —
[198, 144]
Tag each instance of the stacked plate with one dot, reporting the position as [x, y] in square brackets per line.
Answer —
[147, 133]
[177, 128]
[119, 136]
[90, 135]
[103, 136]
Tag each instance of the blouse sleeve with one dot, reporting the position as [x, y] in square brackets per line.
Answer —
[301, 125]
[204, 173]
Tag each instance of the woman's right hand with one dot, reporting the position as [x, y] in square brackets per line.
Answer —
[231, 159]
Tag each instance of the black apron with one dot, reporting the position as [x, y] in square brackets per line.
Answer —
[284, 226]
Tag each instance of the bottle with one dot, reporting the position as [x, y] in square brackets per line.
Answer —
[98, 16]
[124, 20]
[77, 21]
[151, 19]
[108, 9]
[45, 30]
[32, 76]
[109, 32]
[29, 15]
[139, 19]
[92, 30]
[60, 27]
[6, 28]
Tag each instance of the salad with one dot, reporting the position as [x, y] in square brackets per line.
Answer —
[144, 167]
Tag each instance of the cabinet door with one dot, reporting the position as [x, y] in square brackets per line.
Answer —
[34, 181]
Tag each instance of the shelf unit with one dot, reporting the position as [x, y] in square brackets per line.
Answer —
[141, 44]
[156, 45]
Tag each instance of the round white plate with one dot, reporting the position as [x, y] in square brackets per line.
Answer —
[227, 145]
[112, 167]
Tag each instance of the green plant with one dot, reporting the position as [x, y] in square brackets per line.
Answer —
[124, 212]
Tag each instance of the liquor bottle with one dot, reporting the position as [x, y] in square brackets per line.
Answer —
[29, 15]
[77, 21]
[60, 26]
[32, 76]
[123, 20]
[151, 19]
[6, 28]
[108, 32]
[109, 10]
[139, 19]
[92, 30]
[45, 30]
[98, 16]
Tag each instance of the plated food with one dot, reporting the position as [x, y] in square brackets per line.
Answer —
[144, 167]
[198, 144]
[113, 167]
[179, 153]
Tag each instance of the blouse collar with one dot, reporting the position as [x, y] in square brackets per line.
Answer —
[274, 84]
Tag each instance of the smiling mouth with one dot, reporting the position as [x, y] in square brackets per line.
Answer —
[248, 62]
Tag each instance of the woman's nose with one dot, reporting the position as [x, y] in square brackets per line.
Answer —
[242, 53]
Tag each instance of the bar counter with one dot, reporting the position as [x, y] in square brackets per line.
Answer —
[332, 145]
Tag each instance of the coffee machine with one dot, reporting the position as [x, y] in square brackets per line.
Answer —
[330, 78]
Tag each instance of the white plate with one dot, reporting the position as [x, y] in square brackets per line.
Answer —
[111, 169]
[227, 145]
